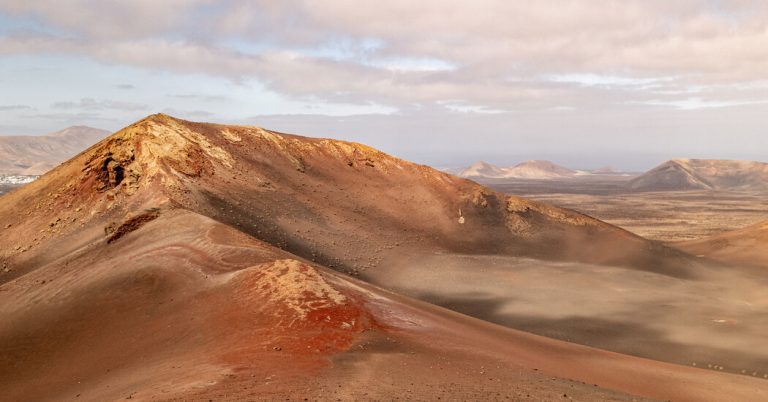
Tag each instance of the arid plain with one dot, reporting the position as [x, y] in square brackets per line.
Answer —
[713, 319]
[662, 215]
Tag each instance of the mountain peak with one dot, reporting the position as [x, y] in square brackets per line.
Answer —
[481, 164]
[159, 118]
[156, 144]
[481, 169]
[679, 161]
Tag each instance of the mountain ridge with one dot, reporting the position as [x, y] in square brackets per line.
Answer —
[34, 155]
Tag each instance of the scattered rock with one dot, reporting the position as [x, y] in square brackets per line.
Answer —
[298, 164]
[110, 228]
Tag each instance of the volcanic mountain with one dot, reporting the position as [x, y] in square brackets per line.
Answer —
[534, 169]
[178, 260]
[538, 169]
[703, 174]
[342, 204]
[35, 155]
[481, 169]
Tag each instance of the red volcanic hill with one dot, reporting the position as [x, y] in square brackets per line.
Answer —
[178, 260]
[342, 204]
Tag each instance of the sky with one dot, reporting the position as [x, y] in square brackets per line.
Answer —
[584, 83]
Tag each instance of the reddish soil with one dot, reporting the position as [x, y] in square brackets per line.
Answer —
[222, 290]
[186, 308]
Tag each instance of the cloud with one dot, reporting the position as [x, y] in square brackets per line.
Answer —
[93, 104]
[203, 98]
[4, 108]
[491, 54]
[189, 114]
[76, 117]
[332, 80]
[111, 19]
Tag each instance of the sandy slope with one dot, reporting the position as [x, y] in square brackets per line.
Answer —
[185, 307]
[718, 319]
[173, 260]
[748, 246]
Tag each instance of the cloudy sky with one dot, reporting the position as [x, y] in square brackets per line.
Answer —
[583, 83]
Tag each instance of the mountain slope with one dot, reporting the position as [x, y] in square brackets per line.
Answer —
[703, 174]
[748, 246]
[343, 204]
[34, 155]
[173, 260]
[185, 308]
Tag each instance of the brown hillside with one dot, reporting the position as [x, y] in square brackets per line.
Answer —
[178, 260]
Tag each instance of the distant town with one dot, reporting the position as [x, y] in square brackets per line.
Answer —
[16, 179]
